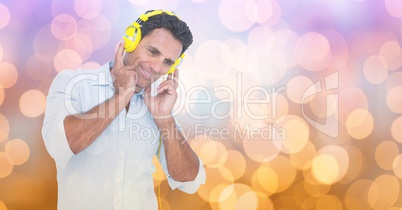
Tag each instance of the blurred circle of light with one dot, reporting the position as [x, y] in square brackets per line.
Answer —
[248, 200]
[213, 59]
[281, 165]
[269, 71]
[397, 166]
[339, 48]
[6, 167]
[394, 80]
[5, 16]
[357, 163]
[302, 160]
[394, 99]
[67, 59]
[32, 103]
[88, 9]
[205, 190]
[235, 162]
[297, 133]
[328, 202]
[226, 173]
[265, 180]
[64, 27]
[213, 154]
[45, 43]
[360, 123]
[81, 43]
[215, 192]
[231, 197]
[259, 11]
[39, 67]
[316, 189]
[356, 196]
[385, 153]
[287, 7]
[300, 193]
[394, 8]
[261, 39]
[309, 203]
[375, 69]
[264, 202]
[233, 16]
[18, 151]
[313, 51]
[296, 87]
[341, 157]
[350, 99]
[383, 192]
[391, 52]
[4, 128]
[9, 75]
[325, 169]
[396, 130]
[98, 29]
[285, 42]
[259, 149]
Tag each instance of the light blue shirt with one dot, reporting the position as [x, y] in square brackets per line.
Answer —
[115, 171]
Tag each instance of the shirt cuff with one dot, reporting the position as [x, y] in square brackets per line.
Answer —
[189, 187]
[57, 145]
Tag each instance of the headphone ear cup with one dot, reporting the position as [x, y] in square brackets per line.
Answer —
[132, 37]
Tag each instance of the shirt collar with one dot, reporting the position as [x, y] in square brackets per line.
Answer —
[104, 76]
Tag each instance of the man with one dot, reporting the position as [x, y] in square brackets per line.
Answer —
[99, 124]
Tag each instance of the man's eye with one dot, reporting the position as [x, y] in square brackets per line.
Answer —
[169, 63]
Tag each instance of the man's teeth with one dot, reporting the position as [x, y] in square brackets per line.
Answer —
[147, 73]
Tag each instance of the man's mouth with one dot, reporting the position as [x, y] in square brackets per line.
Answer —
[149, 75]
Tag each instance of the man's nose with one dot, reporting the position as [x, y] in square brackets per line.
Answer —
[157, 66]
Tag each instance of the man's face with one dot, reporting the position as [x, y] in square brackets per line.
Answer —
[154, 56]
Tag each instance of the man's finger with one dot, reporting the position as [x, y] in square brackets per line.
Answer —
[176, 75]
[118, 60]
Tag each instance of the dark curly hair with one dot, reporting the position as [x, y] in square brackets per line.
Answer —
[177, 27]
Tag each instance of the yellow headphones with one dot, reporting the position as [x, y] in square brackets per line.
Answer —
[133, 35]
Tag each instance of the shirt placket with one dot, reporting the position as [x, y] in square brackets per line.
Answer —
[121, 157]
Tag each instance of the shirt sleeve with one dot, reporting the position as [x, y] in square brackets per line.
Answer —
[189, 187]
[61, 102]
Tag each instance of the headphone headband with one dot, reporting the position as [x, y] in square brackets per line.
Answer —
[144, 17]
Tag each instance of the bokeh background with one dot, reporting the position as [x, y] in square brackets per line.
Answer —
[281, 46]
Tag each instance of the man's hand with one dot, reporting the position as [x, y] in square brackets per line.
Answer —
[162, 104]
[124, 77]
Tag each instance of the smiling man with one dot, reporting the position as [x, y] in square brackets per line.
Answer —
[89, 113]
